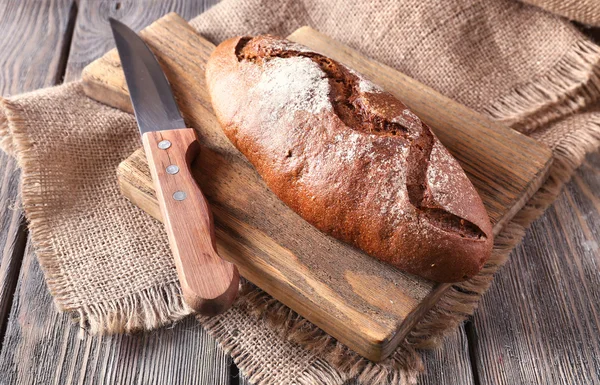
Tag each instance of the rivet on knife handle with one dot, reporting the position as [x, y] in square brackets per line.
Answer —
[209, 283]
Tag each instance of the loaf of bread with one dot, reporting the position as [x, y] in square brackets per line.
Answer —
[349, 157]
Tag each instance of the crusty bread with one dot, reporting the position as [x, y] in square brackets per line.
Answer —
[349, 157]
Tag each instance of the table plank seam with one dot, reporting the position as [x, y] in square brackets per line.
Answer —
[66, 46]
[16, 257]
[471, 334]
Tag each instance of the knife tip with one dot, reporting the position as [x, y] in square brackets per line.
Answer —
[114, 22]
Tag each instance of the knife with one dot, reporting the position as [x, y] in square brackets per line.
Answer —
[209, 283]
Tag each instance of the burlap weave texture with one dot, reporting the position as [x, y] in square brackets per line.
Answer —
[584, 11]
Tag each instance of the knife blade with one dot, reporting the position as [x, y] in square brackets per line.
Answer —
[209, 283]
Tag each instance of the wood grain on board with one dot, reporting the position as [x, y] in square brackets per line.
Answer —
[362, 302]
[33, 60]
[540, 321]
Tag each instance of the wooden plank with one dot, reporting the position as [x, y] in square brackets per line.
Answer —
[449, 364]
[92, 37]
[34, 40]
[540, 321]
[31, 59]
[43, 346]
[312, 280]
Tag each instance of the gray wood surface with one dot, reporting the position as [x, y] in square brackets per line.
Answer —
[92, 36]
[449, 364]
[538, 324]
[540, 321]
[35, 38]
[31, 61]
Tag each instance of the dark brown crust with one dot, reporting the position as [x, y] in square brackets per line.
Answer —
[433, 224]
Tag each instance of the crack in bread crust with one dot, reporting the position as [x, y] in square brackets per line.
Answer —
[351, 107]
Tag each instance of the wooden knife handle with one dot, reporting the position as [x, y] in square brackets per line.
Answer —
[209, 283]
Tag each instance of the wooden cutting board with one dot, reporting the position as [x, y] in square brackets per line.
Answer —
[368, 305]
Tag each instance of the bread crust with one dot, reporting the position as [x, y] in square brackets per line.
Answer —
[348, 157]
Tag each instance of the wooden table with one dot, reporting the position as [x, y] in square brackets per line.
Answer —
[538, 324]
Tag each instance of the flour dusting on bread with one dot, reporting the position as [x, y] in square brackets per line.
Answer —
[365, 85]
[445, 182]
[281, 45]
[292, 84]
[413, 125]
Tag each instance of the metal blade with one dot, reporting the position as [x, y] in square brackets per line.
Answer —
[151, 95]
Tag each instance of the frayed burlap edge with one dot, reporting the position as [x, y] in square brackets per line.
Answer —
[577, 79]
[152, 308]
[571, 84]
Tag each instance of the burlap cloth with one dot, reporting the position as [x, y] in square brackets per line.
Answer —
[108, 262]
[584, 11]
